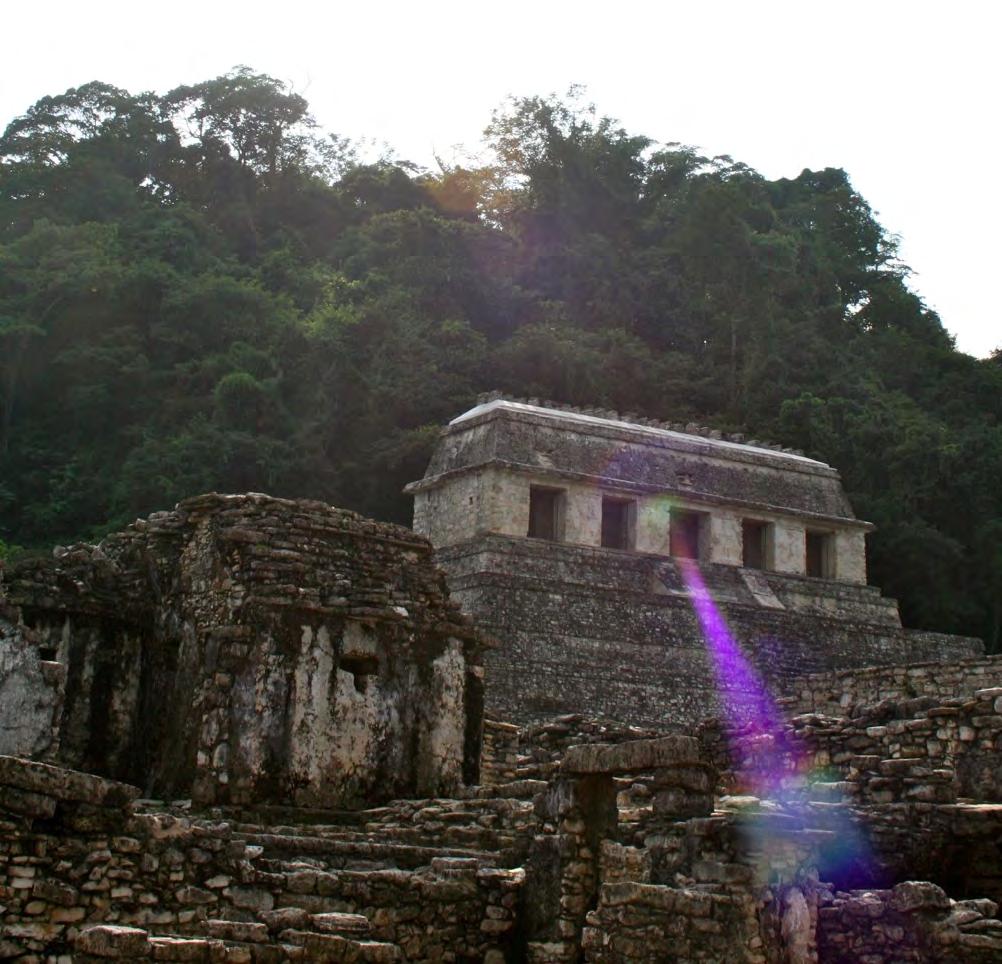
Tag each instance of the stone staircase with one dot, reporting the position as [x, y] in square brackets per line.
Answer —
[289, 935]
[354, 886]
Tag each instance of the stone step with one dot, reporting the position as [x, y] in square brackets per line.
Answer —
[469, 836]
[339, 854]
[831, 791]
[335, 947]
[290, 934]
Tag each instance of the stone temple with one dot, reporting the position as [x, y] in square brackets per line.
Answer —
[678, 728]
[567, 534]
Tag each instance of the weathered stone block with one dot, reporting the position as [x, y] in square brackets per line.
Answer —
[64, 784]
[696, 779]
[914, 895]
[682, 804]
[111, 940]
[634, 756]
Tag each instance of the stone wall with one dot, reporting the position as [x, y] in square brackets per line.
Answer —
[614, 634]
[915, 921]
[245, 648]
[923, 748]
[31, 688]
[839, 693]
[539, 871]
[499, 756]
[644, 922]
[542, 746]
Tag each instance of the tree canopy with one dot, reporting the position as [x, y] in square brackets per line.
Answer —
[202, 290]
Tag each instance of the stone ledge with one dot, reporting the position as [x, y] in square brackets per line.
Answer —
[62, 784]
[632, 756]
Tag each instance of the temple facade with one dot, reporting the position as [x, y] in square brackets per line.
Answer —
[570, 534]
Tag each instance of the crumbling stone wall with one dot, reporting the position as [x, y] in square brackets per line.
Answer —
[245, 648]
[30, 688]
[914, 921]
[922, 748]
[839, 693]
[499, 755]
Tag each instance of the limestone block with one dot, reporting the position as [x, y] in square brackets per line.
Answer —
[64, 784]
[183, 948]
[26, 803]
[913, 895]
[633, 756]
[696, 779]
[109, 940]
[682, 804]
[338, 923]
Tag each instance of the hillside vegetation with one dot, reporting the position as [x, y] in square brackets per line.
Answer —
[202, 290]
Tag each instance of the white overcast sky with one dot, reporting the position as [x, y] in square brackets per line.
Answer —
[903, 95]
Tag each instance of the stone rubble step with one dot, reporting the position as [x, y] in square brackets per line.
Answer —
[330, 936]
[334, 947]
[470, 835]
[341, 851]
[831, 791]
[339, 923]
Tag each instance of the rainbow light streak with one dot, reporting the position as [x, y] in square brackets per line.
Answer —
[745, 700]
[769, 765]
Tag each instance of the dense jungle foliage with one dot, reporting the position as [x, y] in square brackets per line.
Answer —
[203, 291]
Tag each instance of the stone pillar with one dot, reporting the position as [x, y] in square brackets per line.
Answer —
[652, 525]
[583, 516]
[562, 876]
[724, 543]
[500, 752]
[789, 547]
[850, 556]
[505, 503]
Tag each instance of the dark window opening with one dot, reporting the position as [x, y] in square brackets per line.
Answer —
[47, 654]
[545, 510]
[754, 547]
[818, 555]
[684, 531]
[361, 667]
[617, 523]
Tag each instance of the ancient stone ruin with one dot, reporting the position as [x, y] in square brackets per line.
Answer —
[246, 650]
[253, 730]
[574, 536]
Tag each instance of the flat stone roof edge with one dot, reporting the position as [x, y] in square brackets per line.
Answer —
[579, 418]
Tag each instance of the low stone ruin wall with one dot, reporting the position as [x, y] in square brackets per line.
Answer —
[840, 693]
[925, 748]
[640, 922]
[914, 921]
